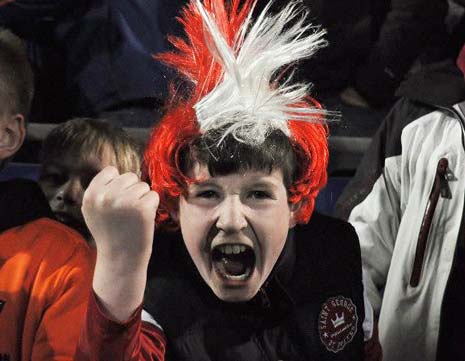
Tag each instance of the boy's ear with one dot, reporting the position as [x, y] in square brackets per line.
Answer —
[12, 134]
[295, 208]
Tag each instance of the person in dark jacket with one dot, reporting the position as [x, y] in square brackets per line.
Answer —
[236, 165]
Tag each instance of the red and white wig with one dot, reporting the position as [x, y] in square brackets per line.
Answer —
[237, 89]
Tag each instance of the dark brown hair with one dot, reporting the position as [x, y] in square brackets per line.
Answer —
[232, 156]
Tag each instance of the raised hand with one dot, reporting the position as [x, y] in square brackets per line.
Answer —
[120, 213]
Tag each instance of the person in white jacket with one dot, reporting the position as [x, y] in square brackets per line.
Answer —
[406, 203]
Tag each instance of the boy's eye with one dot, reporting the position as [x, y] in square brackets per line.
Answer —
[259, 195]
[208, 194]
[53, 178]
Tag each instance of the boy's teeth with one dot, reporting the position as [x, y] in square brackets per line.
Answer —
[232, 249]
[233, 261]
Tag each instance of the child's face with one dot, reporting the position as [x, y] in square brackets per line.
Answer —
[64, 180]
[234, 228]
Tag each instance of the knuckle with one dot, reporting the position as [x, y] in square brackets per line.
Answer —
[145, 187]
[108, 173]
[153, 200]
[106, 199]
[130, 177]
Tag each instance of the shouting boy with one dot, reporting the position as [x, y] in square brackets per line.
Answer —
[235, 165]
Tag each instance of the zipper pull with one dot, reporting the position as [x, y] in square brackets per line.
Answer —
[442, 172]
[440, 188]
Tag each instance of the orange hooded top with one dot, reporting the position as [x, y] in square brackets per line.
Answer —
[45, 279]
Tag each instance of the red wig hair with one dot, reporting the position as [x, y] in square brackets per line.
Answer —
[179, 127]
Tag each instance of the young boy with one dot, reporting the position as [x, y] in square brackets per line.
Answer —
[72, 154]
[235, 166]
[45, 267]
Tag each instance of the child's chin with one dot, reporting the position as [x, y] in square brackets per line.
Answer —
[235, 292]
[235, 295]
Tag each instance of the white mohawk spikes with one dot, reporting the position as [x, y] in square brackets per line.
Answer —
[247, 103]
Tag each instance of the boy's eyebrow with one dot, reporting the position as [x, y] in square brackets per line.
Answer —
[89, 166]
[263, 183]
[265, 179]
[52, 166]
[258, 182]
[55, 164]
[204, 183]
[269, 184]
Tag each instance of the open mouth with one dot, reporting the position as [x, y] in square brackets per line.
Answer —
[233, 261]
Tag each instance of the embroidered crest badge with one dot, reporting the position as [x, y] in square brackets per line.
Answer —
[337, 323]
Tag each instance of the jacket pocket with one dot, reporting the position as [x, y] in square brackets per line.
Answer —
[440, 188]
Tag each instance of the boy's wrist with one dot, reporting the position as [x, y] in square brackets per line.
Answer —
[122, 264]
[126, 257]
[120, 284]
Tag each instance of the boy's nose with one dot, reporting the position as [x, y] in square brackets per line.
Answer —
[71, 192]
[231, 217]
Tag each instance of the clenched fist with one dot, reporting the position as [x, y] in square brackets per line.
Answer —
[120, 213]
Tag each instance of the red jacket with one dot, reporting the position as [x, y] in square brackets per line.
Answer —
[102, 339]
[45, 280]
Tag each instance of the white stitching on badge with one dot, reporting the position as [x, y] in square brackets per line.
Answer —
[337, 323]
